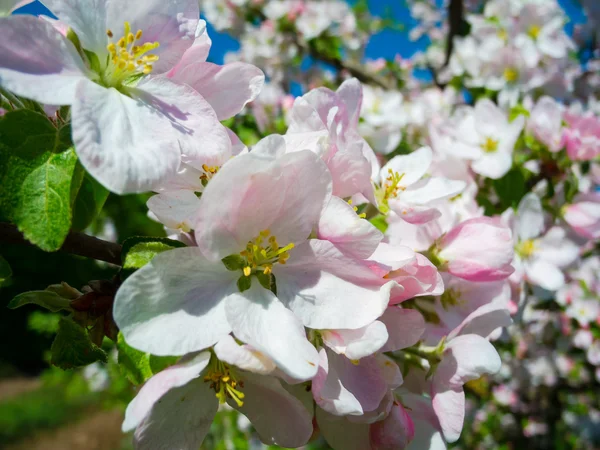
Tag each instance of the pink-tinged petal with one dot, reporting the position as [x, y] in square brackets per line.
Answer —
[278, 417]
[467, 357]
[449, 406]
[227, 88]
[186, 178]
[427, 428]
[352, 235]
[351, 173]
[175, 304]
[395, 432]
[171, 23]
[343, 387]
[266, 197]
[243, 356]
[405, 327]
[389, 371]
[175, 209]
[258, 318]
[418, 277]
[157, 386]
[478, 249]
[544, 274]
[350, 92]
[356, 344]
[199, 50]
[37, 62]
[328, 290]
[414, 214]
[193, 122]
[304, 118]
[530, 217]
[180, 420]
[489, 118]
[341, 434]
[432, 189]
[483, 321]
[412, 167]
[329, 106]
[88, 19]
[584, 215]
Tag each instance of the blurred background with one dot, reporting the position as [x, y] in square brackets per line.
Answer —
[44, 407]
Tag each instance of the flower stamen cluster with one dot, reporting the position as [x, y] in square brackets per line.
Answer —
[261, 255]
[224, 382]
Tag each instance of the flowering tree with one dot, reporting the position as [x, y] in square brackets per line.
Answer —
[367, 264]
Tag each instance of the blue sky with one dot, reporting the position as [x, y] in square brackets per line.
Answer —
[386, 44]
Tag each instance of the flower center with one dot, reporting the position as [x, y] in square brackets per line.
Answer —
[209, 172]
[490, 145]
[127, 59]
[534, 31]
[526, 248]
[451, 297]
[510, 74]
[262, 252]
[223, 381]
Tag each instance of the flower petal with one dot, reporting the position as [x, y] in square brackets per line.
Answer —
[405, 327]
[328, 290]
[171, 23]
[530, 217]
[175, 304]
[278, 417]
[352, 235]
[157, 386]
[412, 166]
[175, 209]
[243, 356]
[227, 88]
[258, 318]
[341, 434]
[37, 62]
[356, 344]
[180, 420]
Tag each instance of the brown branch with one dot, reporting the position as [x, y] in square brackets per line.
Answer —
[76, 244]
[455, 20]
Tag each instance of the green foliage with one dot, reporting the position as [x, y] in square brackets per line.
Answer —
[46, 299]
[73, 347]
[379, 222]
[88, 203]
[43, 323]
[37, 165]
[244, 283]
[5, 270]
[139, 250]
[138, 366]
[234, 262]
[511, 188]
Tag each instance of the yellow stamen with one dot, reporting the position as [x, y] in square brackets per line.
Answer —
[490, 145]
[511, 75]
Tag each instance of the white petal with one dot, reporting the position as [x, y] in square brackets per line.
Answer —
[341, 434]
[243, 356]
[278, 417]
[328, 290]
[449, 406]
[124, 143]
[405, 328]
[175, 209]
[227, 88]
[544, 274]
[530, 217]
[493, 165]
[88, 20]
[356, 344]
[483, 321]
[413, 166]
[157, 386]
[175, 304]
[258, 318]
[432, 189]
[37, 62]
[353, 235]
[180, 420]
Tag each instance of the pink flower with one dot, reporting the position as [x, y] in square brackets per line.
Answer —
[478, 249]
[467, 356]
[394, 432]
[584, 215]
[582, 136]
[545, 123]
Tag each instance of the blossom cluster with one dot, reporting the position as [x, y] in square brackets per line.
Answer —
[351, 275]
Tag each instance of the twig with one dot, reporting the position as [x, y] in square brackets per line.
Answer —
[76, 244]
[455, 19]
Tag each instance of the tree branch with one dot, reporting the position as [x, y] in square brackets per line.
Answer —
[76, 244]
[455, 20]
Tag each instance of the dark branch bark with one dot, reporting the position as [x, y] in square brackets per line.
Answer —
[76, 244]
[455, 19]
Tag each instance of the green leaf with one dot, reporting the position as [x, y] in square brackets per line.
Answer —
[36, 195]
[234, 262]
[379, 222]
[138, 366]
[244, 283]
[5, 270]
[134, 364]
[264, 280]
[511, 188]
[139, 251]
[88, 203]
[46, 299]
[72, 346]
